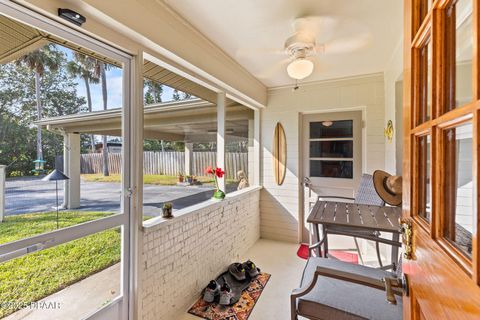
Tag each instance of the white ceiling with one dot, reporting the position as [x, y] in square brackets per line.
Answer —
[251, 31]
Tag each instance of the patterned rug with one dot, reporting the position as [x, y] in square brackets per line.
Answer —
[240, 310]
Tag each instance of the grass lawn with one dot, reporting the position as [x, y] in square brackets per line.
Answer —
[147, 179]
[37, 275]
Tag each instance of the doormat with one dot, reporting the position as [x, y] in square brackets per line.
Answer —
[240, 310]
[340, 255]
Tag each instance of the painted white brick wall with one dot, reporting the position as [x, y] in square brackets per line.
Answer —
[180, 256]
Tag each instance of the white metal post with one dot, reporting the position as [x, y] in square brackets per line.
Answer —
[133, 241]
[66, 162]
[251, 151]
[2, 191]
[71, 164]
[256, 148]
[221, 113]
[188, 158]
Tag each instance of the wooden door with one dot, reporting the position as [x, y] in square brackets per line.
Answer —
[441, 127]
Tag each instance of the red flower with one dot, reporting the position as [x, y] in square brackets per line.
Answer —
[209, 170]
[219, 172]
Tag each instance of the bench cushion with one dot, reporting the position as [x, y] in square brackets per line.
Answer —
[339, 300]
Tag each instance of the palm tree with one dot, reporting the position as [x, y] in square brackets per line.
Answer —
[84, 67]
[40, 60]
[102, 68]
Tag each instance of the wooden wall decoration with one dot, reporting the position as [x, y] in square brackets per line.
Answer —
[279, 154]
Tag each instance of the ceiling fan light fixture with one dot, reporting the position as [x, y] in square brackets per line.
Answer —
[300, 69]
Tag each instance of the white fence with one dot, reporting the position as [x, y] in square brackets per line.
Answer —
[168, 163]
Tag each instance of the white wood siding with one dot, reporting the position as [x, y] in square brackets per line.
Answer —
[280, 205]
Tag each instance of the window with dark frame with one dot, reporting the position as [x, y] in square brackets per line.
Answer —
[331, 149]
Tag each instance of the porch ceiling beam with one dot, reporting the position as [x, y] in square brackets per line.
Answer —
[108, 121]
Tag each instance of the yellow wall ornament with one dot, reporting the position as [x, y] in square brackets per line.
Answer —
[388, 132]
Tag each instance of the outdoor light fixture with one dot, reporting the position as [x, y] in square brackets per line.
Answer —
[300, 68]
[72, 16]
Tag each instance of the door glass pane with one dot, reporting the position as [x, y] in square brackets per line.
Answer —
[424, 100]
[331, 129]
[458, 225]
[424, 194]
[47, 82]
[463, 52]
[331, 169]
[428, 105]
[331, 149]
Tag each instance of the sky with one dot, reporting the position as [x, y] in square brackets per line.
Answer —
[114, 87]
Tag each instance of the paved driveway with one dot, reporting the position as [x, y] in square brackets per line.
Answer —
[26, 195]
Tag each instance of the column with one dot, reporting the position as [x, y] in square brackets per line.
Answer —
[221, 113]
[71, 165]
[257, 163]
[188, 158]
[3, 176]
[251, 152]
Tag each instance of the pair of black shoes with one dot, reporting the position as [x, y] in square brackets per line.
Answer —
[240, 270]
[228, 287]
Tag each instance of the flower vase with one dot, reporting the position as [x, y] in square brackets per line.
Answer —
[219, 195]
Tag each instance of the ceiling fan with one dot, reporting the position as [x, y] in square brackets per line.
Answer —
[303, 49]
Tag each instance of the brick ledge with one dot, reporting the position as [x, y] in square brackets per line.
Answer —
[158, 222]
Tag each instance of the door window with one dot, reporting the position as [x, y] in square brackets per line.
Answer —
[458, 225]
[331, 149]
[444, 127]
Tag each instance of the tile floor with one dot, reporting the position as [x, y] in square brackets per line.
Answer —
[281, 261]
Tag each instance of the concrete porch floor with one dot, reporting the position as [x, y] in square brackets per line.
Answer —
[281, 261]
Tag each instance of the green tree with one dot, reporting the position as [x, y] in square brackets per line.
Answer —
[176, 95]
[86, 68]
[180, 95]
[153, 92]
[39, 61]
[18, 111]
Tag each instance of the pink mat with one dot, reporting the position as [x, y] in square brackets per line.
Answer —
[340, 255]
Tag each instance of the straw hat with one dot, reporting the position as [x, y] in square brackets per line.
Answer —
[388, 187]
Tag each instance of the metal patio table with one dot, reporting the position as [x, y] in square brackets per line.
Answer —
[355, 218]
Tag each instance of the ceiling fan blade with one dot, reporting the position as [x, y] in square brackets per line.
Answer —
[345, 45]
[273, 69]
[249, 52]
[322, 27]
